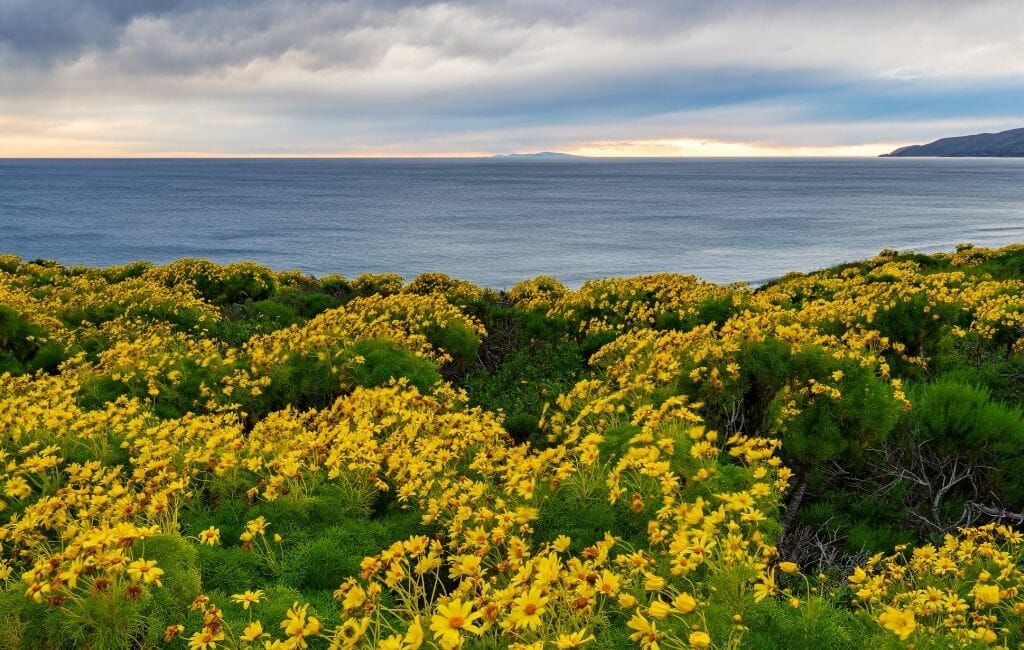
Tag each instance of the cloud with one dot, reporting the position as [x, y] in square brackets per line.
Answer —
[269, 76]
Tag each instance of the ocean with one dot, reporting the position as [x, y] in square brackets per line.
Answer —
[496, 222]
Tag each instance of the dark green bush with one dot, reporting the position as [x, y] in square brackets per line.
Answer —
[528, 379]
[336, 286]
[17, 333]
[458, 340]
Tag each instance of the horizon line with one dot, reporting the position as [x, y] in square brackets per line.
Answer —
[525, 158]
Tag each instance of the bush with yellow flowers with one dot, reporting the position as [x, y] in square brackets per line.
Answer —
[967, 590]
[208, 456]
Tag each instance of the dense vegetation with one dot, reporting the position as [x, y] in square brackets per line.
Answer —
[205, 456]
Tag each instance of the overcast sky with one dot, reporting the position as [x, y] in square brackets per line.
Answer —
[364, 77]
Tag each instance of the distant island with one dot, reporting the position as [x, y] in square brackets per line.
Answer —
[542, 155]
[1006, 144]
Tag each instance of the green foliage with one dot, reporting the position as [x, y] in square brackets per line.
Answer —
[917, 322]
[303, 381]
[952, 417]
[24, 346]
[384, 361]
[18, 336]
[458, 340]
[325, 561]
[577, 508]
[815, 625]
[716, 309]
[773, 371]
[181, 580]
[337, 286]
[525, 382]
[228, 569]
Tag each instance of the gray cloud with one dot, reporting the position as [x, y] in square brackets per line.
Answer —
[305, 75]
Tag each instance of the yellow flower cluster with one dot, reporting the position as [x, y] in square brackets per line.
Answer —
[89, 479]
[508, 586]
[616, 304]
[540, 293]
[404, 319]
[969, 590]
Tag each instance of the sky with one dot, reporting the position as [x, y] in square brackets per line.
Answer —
[392, 78]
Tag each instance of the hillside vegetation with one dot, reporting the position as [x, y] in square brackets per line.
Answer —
[224, 456]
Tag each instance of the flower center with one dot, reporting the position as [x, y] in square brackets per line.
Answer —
[456, 622]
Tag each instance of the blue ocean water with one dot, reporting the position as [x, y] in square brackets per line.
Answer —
[496, 222]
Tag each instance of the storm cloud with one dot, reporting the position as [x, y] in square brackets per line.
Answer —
[361, 77]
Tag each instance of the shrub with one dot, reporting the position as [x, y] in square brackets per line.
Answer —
[337, 286]
[383, 362]
[383, 284]
[322, 563]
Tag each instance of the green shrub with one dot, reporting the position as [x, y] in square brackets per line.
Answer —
[458, 340]
[337, 286]
[815, 625]
[384, 361]
[325, 561]
[23, 345]
[275, 312]
[352, 501]
[956, 418]
[302, 381]
[578, 508]
[181, 580]
[231, 569]
[527, 380]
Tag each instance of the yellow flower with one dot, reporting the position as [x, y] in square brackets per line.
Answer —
[788, 567]
[450, 620]
[684, 603]
[528, 609]
[205, 639]
[608, 583]
[298, 626]
[248, 598]
[985, 635]
[574, 640]
[699, 640]
[659, 609]
[146, 571]
[210, 536]
[252, 631]
[646, 634]
[354, 597]
[765, 587]
[393, 642]
[986, 595]
[414, 636]
[653, 582]
[901, 622]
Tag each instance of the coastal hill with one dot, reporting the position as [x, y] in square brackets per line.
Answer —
[542, 155]
[1006, 144]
